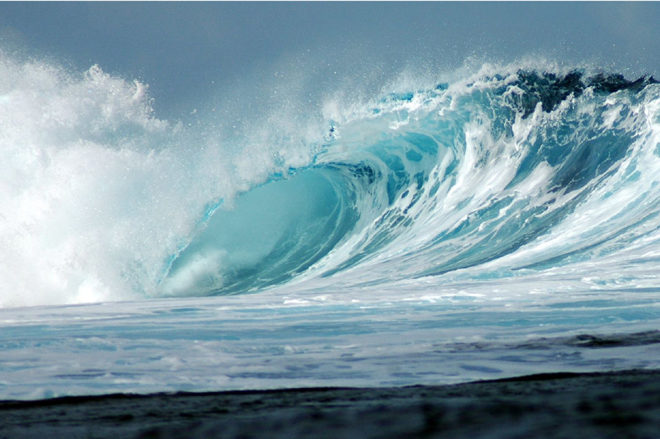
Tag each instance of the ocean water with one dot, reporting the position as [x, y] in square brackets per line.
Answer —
[490, 222]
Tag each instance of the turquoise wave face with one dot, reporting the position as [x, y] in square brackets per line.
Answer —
[496, 176]
[273, 233]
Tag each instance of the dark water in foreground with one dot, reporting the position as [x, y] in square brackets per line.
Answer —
[610, 405]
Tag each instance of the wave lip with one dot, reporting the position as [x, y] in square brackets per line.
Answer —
[551, 89]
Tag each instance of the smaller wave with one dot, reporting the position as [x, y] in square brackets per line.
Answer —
[589, 341]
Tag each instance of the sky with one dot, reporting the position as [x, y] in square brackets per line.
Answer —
[188, 52]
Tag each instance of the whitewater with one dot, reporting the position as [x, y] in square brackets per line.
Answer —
[487, 223]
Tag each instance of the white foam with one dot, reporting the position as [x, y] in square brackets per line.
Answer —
[96, 192]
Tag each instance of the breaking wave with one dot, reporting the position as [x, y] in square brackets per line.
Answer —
[503, 173]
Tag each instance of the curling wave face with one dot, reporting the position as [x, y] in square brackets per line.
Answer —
[497, 176]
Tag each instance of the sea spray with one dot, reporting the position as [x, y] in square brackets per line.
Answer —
[96, 192]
